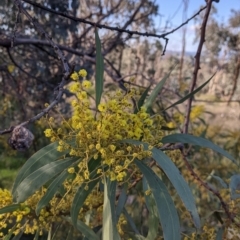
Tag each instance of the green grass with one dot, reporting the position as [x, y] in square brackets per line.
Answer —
[9, 166]
[7, 177]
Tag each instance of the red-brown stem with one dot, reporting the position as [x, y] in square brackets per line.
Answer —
[197, 64]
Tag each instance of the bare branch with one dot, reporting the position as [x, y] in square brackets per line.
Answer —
[197, 64]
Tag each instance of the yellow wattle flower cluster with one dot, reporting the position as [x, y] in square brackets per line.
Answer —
[21, 219]
[24, 219]
[97, 134]
[100, 134]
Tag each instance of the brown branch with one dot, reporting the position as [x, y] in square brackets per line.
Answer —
[121, 30]
[212, 190]
[197, 63]
[26, 41]
[7, 130]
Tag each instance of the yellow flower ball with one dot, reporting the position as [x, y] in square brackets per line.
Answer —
[74, 76]
[86, 84]
[82, 73]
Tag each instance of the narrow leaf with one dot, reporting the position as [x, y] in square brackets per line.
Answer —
[109, 215]
[235, 185]
[199, 141]
[36, 235]
[121, 203]
[142, 99]
[220, 233]
[152, 221]
[8, 236]
[38, 178]
[130, 221]
[153, 216]
[221, 181]
[166, 209]
[99, 69]
[10, 208]
[191, 94]
[176, 179]
[10, 233]
[145, 187]
[42, 157]
[80, 198]
[178, 182]
[156, 90]
[18, 236]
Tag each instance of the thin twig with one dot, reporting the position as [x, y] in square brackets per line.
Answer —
[83, 20]
[197, 64]
[165, 47]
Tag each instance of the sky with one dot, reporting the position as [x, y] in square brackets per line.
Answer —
[172, 10]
